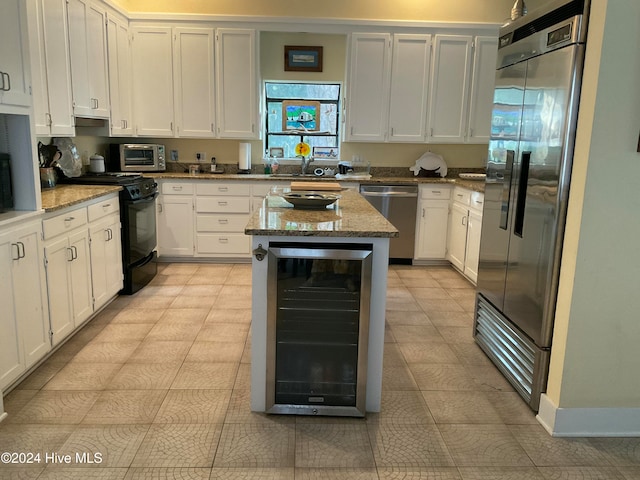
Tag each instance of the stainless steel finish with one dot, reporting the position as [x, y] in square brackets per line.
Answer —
[527, 186]
[335, 253]
[398, 204]
[304, 165]
[525, 365]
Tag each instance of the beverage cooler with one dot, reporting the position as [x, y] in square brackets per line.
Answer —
[317, 328]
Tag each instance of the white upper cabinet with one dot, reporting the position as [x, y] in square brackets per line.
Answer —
[193, 53]
[449, 94]
[14, 73]
[411, 59]
[152, 62]
[367, 100]
[119, 55]
[88, 49]
[485, 53]
[50, 68]
[237, 84]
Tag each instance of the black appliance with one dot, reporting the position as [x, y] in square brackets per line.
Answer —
[6, 192]
[138, 220]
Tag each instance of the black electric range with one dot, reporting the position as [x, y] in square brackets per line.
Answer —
[138, 222]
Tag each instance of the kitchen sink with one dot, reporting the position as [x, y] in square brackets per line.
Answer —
[298, 175]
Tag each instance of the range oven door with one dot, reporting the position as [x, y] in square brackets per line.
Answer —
[139, 229]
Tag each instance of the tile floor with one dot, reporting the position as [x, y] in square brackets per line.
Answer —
[158, 385]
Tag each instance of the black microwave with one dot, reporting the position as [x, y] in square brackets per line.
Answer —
[6, 190]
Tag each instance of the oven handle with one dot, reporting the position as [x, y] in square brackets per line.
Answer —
[148, 199]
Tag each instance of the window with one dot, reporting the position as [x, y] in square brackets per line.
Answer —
[301, 112]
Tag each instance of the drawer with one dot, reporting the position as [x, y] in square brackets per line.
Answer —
[223, 204]
[221, 223]
[462, 195]
[435, 192]
[477, 201]
[217, 188]
[177, 188]
[64, 222]
[216, 244]
[103, 208]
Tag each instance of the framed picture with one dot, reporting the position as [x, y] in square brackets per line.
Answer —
[330, 153]
[276, 152]
[300, 115]
[302, 59]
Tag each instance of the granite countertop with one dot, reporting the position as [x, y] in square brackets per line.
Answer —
[350, 216]
[475, 185]
[63, 196]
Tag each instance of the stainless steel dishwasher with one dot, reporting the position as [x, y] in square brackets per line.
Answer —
[398, 204]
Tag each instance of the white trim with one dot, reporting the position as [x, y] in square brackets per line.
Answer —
[3, 416]
[588, 422]
[320, 25]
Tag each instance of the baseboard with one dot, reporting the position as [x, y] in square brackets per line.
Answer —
[588, 422]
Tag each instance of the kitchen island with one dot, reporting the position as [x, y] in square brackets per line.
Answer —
[340, 252]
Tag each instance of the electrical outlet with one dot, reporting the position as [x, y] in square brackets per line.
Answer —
[174, 155]
[201, 156]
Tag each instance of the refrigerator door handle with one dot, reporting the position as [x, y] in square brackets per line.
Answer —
[522, 194]
[506, 189]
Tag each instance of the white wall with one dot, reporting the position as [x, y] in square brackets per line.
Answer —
[595, 360]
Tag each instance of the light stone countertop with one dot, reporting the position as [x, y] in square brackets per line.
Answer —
[475, 185]
[351, 216]
[63, 196]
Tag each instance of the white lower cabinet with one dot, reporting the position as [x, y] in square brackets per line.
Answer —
[433, 215]
[222, 212]
[24, 321]
[465, 224]
[68, 271]
[175, 219]
[106, 251]
[83, 262]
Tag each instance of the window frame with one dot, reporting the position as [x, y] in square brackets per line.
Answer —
[265, 126]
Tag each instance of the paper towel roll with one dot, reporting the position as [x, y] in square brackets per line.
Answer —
[244, 156]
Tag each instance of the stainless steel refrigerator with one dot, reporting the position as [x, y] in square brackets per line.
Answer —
[537, 89]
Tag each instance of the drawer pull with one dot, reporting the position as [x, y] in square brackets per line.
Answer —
[436, 192]
[224, 240]
[69, 219]
[223, 189]
[106, 205]
[177, 187]
[222, 204]
[223, 221]
[459, 195]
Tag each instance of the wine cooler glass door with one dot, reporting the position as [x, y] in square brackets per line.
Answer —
[318, 317]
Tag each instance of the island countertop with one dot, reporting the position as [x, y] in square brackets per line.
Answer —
[350, 216]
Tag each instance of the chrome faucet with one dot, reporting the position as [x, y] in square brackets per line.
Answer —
[305, 164]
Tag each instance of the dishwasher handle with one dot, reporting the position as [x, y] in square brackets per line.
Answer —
[400, 193]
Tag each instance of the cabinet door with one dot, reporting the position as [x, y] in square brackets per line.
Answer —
[409, 88]
[448, 98]
[80, 269]
[106, 259]
[30, 295]
[368, 87]
[236, 83]
[193, 54]
[59, 255]
[485, 54]
[14, 73]
[119, 55]
[432, 230]
[11, 363]
[457, 240]
[152, 63]
[175, 225]
[50, 68]
[472, 256]
[87, 43]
